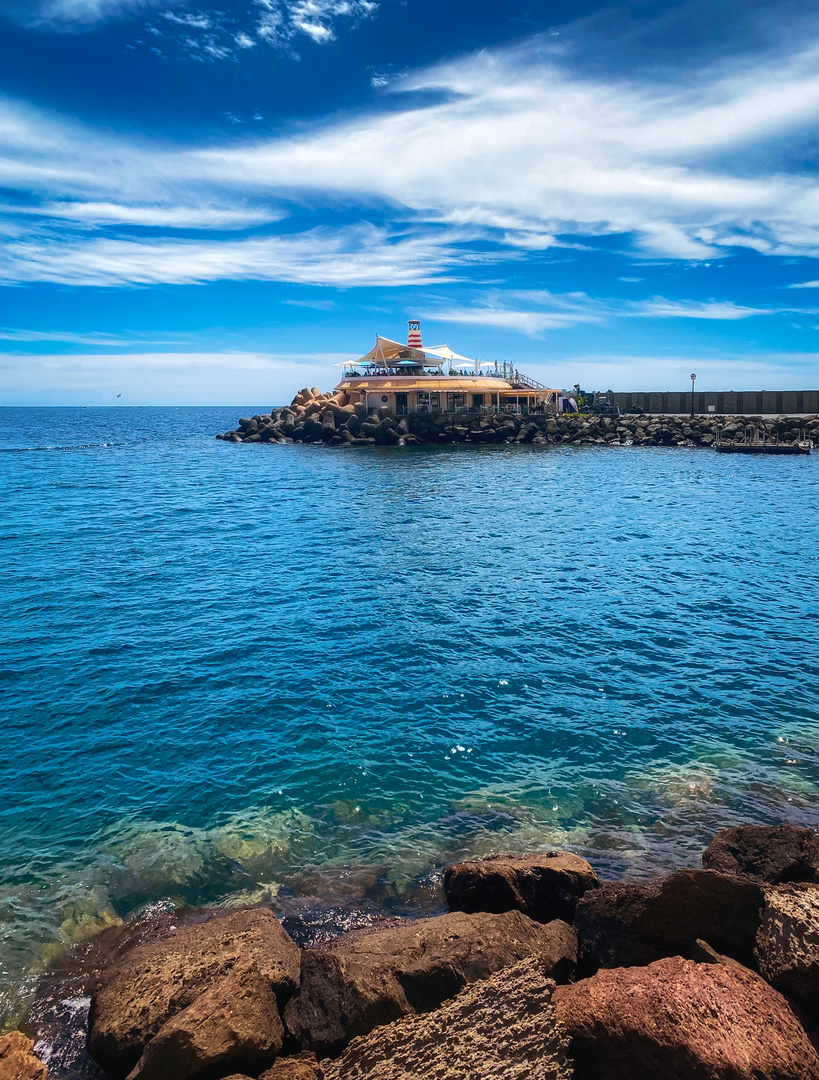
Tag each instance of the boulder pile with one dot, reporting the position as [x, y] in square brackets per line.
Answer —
[538, 971]
[314, 417]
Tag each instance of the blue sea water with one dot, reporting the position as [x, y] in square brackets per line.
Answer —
[237, 671]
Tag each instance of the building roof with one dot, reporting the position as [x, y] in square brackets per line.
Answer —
[386, 349]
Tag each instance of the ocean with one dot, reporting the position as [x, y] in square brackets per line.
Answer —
[242, 672]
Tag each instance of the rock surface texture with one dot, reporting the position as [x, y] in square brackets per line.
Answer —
[622, 925]
[302, 1066]
[544, 886]
[235, 1024]
[18, 1060]
[366, 979]
[772, 853]
[678, 1020]
[153, 982]
[503, 1028]
[787, 943]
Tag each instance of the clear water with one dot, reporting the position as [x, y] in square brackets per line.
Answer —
[229, 668]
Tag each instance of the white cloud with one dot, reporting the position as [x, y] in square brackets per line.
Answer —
[520, 138]
[356, 256]
[171, 217]
[557, 311]
[517, 150]
[280, 21]
[805, 285]
[198, 21]
[660, 308]
[244, 41]
[66, 337]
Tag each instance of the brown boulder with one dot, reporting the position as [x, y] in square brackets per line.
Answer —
[622, 925]
[368, 978]
[787, 943]
[234, 1024]
[680, 1020]
[772, 853]
[303, 1066]
[545, 886]
[502, 1028]
[158, 978]
[18, 1060]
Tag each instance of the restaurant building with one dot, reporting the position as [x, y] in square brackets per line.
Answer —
[401, 379]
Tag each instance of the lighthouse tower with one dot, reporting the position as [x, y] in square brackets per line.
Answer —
[414, 334]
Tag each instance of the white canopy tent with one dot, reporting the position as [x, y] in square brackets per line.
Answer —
[445, 353]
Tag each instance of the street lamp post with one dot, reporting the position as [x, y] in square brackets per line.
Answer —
[693, 378]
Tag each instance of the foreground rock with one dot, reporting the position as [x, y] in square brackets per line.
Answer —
[363, 980]
[545, 886]
[622, 925]
[503, 1028]
[18, 1060]
[235, 1024]
[680, 1020]
[787, 943]
[303, 1066]
[773, 853]
[158, 979]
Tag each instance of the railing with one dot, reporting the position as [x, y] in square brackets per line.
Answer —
[523, 380]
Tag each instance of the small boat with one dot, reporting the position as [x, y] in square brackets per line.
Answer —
[757, 439]
[762, 448]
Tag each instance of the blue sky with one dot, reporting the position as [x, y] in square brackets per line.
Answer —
[215, 202]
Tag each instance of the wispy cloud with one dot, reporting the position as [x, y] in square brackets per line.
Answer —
[198, 21]
[275, 21]
[556, 311]
[65, 337]
[805, 285]
[169, 217]
[280, 21]
[360, 255]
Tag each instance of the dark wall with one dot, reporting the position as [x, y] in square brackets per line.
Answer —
[746, 403]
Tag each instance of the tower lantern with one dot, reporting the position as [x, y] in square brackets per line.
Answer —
[414, 334]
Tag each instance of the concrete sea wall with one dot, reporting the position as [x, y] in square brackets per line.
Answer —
[728, 402]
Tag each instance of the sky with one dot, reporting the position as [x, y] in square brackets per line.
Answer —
[215, 202]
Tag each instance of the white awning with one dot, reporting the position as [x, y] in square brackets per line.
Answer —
[445, 353]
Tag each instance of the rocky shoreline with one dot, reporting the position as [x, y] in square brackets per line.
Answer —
[315, 417]
[537, 970]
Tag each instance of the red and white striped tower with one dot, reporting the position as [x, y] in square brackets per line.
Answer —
[414, 334]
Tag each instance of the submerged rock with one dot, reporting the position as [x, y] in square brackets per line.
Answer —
[543, 886]
[154, 980]
[773, 853]
[365, 979]
[502, 1028]
[680, 1020]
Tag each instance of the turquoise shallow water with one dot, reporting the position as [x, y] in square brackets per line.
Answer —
[231, 669]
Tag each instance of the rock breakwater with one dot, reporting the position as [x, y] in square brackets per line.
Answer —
[708, 974]
[331, 419]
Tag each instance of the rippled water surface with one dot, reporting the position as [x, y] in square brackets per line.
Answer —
[232, 670]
